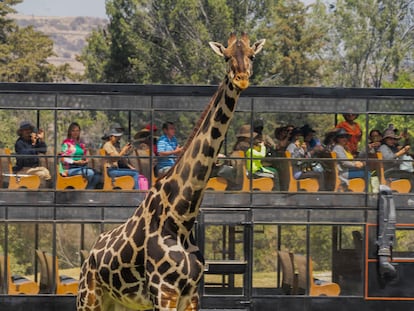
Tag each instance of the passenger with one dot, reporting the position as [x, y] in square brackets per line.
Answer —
[144, 139]
[347, 168]
[254, 163]
[117, 163]
[354, 130]
[375, 138]
[258, 126]
[168, 149]
[391, 153]
[74, 157]
[243, 138]
[313, 144]
[29, 145]
[282, 136]
[329, 140]
[303, 168]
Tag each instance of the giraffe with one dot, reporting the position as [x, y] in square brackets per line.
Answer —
[150, 262]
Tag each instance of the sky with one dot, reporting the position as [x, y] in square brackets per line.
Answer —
[93, 8]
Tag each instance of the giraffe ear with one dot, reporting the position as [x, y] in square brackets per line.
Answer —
[258, 46]
[218, 48]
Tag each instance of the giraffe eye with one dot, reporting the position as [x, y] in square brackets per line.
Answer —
[226, 58]
[252, 57]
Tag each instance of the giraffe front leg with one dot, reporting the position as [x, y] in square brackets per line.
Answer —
[89, 297]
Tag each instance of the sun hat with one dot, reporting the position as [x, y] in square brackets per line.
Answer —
[114, 132]
[390, 134]
[245, 131]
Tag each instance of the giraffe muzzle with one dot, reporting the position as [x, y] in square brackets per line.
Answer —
[241, 80]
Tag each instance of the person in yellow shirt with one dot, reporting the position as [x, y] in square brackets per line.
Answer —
[254, 156]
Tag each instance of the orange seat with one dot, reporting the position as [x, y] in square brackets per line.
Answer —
[77, 182]
[16, 285]
[289, 278]
[397, 185]
[354, 184]
[114, 183]
[261, 184]
[316, 287]
[20, 181]
[63, 285]
[305, 184]
[216, 183]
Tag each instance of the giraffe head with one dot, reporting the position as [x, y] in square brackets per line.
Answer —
[239, 56]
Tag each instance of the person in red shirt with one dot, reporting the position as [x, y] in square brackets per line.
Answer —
[353, 129]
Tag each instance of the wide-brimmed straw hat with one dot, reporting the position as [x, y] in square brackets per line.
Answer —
[245, 131]
[390, 134]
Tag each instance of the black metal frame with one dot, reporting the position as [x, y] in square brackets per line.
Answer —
[271, 208]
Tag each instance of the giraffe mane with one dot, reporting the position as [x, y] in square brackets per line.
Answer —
[199, 122]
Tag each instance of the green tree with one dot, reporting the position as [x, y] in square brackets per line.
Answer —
[369, 41]
[24, 51]
[290, 55]
[165, 41]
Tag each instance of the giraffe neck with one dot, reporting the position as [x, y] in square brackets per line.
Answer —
[181, 190]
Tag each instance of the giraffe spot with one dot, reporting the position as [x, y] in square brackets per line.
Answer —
[178, 257]
[182, 206]
[169, 228]
[196, 148]
[172, 277]
[154, 290]
[116, 281]
[139, 234]
[172, 189]
[200, 170]
[130, 225]
[185, 287]
[104, 273]
[127, 276]
[154, 249]
[187, 192]
[127, 252]
[207, 150]
[150, 267]
[229, 85]
[164, 267]
[230, 102]
[215, 133]
[119, 244]
[107, 258]
[154, 224]
[114, 263]
[221, 116]
[194, 202]
[185, 172]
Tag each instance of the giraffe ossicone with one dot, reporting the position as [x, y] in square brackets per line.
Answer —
[151, 262]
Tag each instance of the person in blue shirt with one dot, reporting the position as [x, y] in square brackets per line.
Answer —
[168, 149]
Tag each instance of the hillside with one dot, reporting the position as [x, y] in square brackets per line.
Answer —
[68, 34]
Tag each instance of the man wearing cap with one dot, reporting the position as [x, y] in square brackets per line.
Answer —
[29, 145]
[168, 149]
[116, 164]
[392, 153]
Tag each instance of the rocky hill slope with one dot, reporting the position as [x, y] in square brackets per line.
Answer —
[68, 34]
